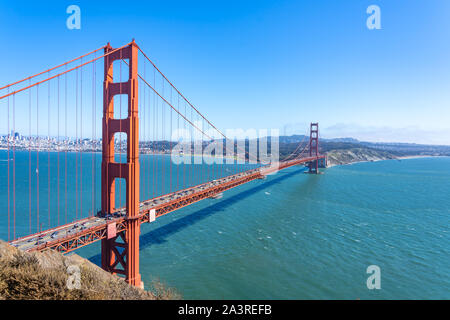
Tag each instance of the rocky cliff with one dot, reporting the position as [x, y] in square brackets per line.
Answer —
[345, 156]
[51, 275]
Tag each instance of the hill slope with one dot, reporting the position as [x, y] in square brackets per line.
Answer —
[345, 156]
[46, 275]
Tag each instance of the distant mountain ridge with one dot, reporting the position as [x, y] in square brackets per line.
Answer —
[298, 138]
[349, 150]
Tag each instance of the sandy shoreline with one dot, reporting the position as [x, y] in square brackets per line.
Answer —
[398, 158]
[421, 156]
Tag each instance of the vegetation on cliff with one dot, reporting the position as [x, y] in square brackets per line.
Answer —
[50, 275]
[345, 156]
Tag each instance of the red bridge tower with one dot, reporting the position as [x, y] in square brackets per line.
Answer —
[120, 252]
[314, 147]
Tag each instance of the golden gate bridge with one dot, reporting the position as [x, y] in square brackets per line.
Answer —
[57, 103]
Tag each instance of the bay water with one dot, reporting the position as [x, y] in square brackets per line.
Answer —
[291, 236]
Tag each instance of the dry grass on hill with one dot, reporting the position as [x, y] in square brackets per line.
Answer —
[44, 276]
[345, 156]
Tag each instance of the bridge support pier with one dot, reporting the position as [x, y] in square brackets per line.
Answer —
[323, 162]
[313, 167]
[120, 253]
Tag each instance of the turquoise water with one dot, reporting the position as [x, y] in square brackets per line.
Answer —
[299, 236]
[56, 188]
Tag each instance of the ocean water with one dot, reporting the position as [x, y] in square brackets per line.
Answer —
[300, 236]
[52, 188]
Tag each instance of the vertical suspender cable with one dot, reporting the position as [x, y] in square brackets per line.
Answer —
[65, 147]
[190, 153]
[93, 142]
[7, 161]
[162, 141]
[170, 141]
[95, 135]
[202, 166]
[150, 142]
[178, 130]
[154, 136]
[76, 145]
[29, 160]
[95, 130]
[57, 160]
[37, 156]
[202, 173]
[142, 120]
[191, 169]
[48, 152]
[148, 134]
[14, 168]
[157, 133]
[81, 139]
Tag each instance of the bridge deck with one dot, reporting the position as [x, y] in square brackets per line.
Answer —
[72, 236]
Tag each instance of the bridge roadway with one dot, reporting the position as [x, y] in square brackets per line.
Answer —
[74, 235]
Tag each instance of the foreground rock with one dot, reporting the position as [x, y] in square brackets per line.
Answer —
[51, 275]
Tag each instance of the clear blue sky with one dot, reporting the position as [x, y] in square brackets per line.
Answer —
[266, 64]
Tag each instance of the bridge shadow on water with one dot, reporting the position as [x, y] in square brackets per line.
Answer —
[160, 234]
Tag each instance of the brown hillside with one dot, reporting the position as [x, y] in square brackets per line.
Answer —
[45, 275]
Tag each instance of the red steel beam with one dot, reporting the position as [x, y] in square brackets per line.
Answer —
[128, 259]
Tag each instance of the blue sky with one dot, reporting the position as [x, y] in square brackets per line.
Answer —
[266, 64]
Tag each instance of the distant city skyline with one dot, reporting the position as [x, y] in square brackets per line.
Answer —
[340, 131]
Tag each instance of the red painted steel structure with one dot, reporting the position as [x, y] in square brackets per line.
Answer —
[120, 252]
[314, 147]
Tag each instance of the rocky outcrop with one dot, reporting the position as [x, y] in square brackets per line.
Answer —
[51, 275]
[346, 156]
